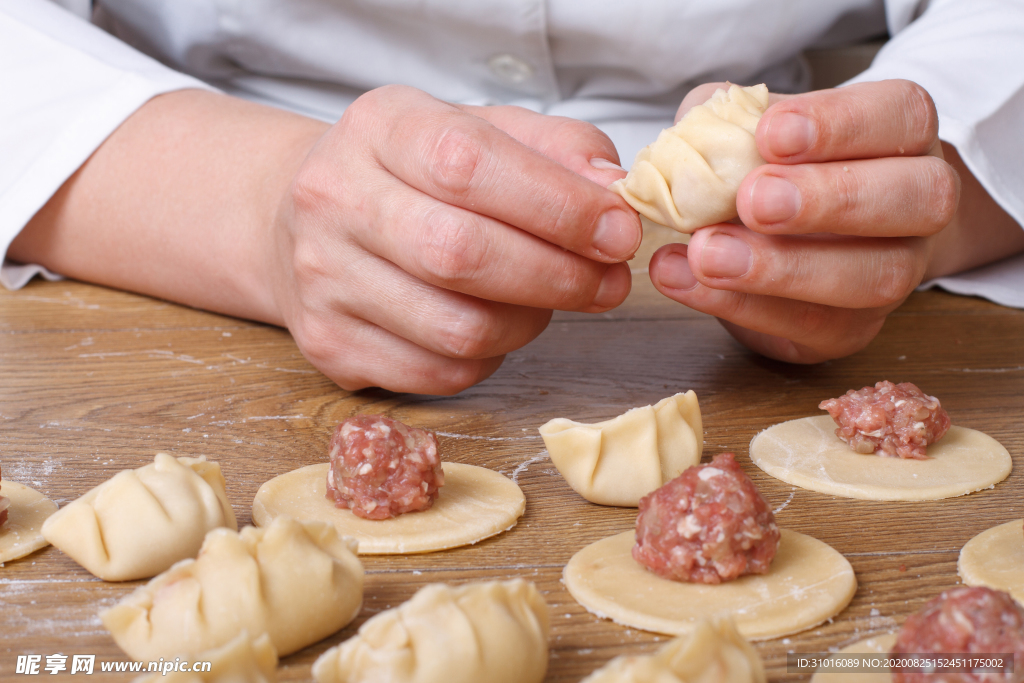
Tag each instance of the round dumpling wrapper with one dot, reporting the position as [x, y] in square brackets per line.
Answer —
[808, 583]
[22, 534]
[475, 503]
[807, 453]
[995, 559]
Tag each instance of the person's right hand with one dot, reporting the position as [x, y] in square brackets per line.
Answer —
[420, 241]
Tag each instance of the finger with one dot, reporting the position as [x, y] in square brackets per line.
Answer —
[462, 160]
[859, 121]
[579, 146]
[870, 197]
[781, 348]
[460, 250]
[356, 354]
[702, 93]
[793, 331]
[847, 272]
[442, 321]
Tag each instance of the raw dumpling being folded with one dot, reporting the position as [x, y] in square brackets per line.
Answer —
[620, 461]
[140, 522]
[493, 631]
[296, 581]
[243, 660]
[689, 176]
[713, 653]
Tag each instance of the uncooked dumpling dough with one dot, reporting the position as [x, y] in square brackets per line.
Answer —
[494, 631]
[877, 645]
[619, 461]
[296, 581]
[140, 522]
[20, 534]
[689, 176]
[995, 559]
[808, 454]
[808, 583]
[475, 503]
[243, 660]
[712, 653]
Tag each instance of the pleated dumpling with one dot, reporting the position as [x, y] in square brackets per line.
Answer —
[491, 631]
[712, 653]
[296, 581]
[140, 522]
[619, 461]
[243, 660]
[689, 176]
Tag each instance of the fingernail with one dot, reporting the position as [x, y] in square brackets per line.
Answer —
[617, 234]
[674, 272]
[774, 199]
[790, 134]
[725, 256]
[609, 292]
[605, 165]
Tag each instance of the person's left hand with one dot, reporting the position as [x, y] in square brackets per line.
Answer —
[839, 226]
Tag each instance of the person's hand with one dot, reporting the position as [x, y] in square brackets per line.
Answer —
[839, 226]
[420, 242]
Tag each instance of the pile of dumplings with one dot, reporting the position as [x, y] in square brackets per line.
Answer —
[241, 599]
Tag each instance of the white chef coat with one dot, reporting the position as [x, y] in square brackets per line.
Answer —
[66, 84]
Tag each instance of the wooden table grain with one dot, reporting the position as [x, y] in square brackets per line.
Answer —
[93, 381]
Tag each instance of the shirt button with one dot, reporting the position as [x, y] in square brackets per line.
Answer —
[510, 69]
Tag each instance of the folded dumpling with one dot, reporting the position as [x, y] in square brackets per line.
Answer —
[619, 461]
[712, 653]
[296, 581]
[243, 660]
[689, 176]
[492, 631]
[140, 522]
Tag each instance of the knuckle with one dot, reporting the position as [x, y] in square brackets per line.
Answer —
[311, 190]
[322, 346]
[845, 201]
[308, 265]
[366, 108]
[942, 192]
[448, 378]
[563, 215]
[577, 287]
[458, 159]
[817, 322]
[923, 117]
[452, 253]
[895, 282]
[472, 333]
[591, 135]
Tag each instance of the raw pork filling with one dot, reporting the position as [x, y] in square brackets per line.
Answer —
[710, 524]
[381, 468]
[894, 420]
[965, 620]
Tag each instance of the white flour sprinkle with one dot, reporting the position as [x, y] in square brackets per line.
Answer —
[783, 506]
[523, 466]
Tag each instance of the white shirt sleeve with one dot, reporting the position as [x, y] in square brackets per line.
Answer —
[66, 85]
[969, 55]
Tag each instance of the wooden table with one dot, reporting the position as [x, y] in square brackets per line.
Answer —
[95, 381]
